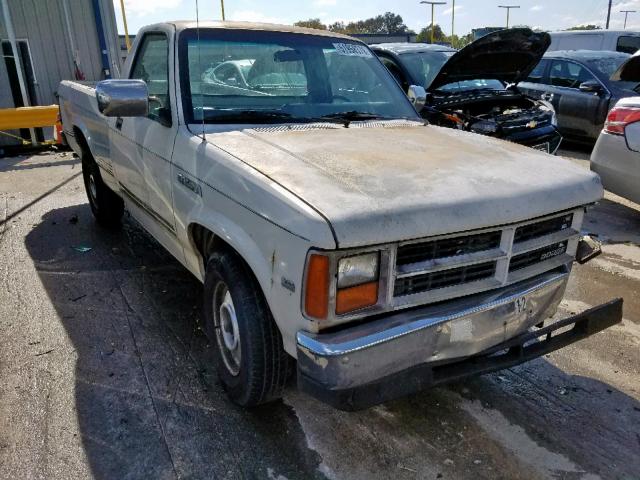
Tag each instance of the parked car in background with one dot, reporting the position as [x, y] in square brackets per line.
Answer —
[232, 73]
[616, 156]
[624, 41]
[474, 89]
[583, 86]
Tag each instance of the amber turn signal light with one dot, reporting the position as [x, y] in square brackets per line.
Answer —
[316, 301]
[355, 298]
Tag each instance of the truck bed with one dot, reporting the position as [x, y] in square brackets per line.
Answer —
[83, 123]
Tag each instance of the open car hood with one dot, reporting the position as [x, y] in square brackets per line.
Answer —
[507, 55]
[629, 71]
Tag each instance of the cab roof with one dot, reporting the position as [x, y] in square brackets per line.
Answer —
[405, 47]
[181, 25]
[585, 55]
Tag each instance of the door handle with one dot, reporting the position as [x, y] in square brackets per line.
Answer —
[119, 123]
[547, 96]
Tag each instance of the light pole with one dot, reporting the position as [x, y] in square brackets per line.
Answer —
[508, 8]
[609, 13]
[222, 8]
[626, 14]
[433, 5]
[453, 20]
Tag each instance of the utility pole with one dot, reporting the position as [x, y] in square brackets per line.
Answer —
[127, 41]
[609, 13]
[626, 15]
[453, 20]
[222, 8]
[433, 5]
[508, 8]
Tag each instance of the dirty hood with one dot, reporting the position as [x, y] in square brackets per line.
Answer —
[385, 184]
[507, 55]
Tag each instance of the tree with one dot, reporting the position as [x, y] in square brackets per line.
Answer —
[438, 35]
[338, 27]
[392, 23]
[585, 27]
[311, 23]
[389, 23]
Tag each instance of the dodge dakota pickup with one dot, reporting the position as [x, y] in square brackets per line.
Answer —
[336, 234]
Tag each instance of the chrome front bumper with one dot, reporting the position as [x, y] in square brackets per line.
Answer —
[398, 354]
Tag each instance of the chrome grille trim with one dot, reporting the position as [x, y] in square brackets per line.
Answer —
[538, 234]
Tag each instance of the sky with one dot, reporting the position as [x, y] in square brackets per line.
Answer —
[546, 14]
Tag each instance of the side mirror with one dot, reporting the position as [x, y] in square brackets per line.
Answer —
[123, 98]
[590, 86]
[417, 96]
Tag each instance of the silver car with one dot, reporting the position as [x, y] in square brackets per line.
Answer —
[616, 156]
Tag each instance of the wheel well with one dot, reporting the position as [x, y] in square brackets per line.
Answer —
[82, 141]
[207, 242]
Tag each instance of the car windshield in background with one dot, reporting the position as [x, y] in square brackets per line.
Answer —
[263, 76]
[476, 84]
[424, 66]
[607, 66]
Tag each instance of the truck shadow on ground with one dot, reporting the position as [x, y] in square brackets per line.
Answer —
[613, 222]
[149, 405]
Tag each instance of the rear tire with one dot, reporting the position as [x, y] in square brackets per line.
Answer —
[251, 362]
[106, 206]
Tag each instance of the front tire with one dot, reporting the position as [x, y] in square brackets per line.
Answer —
[251, 362]
[106, 206]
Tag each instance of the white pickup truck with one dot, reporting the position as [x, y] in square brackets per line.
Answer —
[287, 170]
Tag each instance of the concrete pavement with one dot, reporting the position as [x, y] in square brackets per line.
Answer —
[105, 373]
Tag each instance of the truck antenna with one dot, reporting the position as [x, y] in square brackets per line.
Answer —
[200, 70]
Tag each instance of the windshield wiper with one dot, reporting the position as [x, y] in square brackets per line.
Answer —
[248, 116]
[278, 116]
[347, 117]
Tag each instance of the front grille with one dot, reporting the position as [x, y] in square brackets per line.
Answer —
[429, 271]
[515, 123]
[448, 247]
[537, 256]
[540, 229]
[447, 278]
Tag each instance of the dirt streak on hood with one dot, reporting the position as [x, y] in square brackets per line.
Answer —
[385, 184]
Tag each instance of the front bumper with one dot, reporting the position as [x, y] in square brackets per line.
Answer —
[548, 135]
[400, 354]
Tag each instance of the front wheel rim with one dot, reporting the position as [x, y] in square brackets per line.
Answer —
[93, 189]
[226, 328]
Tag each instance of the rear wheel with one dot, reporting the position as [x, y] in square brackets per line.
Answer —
[251, 362]
[106, 206]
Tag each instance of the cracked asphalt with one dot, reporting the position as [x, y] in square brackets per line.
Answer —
[105, 374]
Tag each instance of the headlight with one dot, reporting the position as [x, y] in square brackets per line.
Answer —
[354, 279]
[357, 270]
[548, 107]
[485, 127]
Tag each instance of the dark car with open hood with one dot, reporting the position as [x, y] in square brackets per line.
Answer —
[474, 89]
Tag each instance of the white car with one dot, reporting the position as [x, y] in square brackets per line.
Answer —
[616, 156]
[326, 221]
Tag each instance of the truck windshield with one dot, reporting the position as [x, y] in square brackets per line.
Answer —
[247, 76]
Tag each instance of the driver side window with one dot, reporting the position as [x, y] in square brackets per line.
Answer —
[152, 66]
[568, 74]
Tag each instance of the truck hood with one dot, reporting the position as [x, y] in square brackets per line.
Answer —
[391, 183]
[507, 55]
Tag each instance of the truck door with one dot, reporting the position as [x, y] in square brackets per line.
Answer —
[147, 142]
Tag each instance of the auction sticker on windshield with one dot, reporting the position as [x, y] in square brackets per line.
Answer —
[352, 50]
